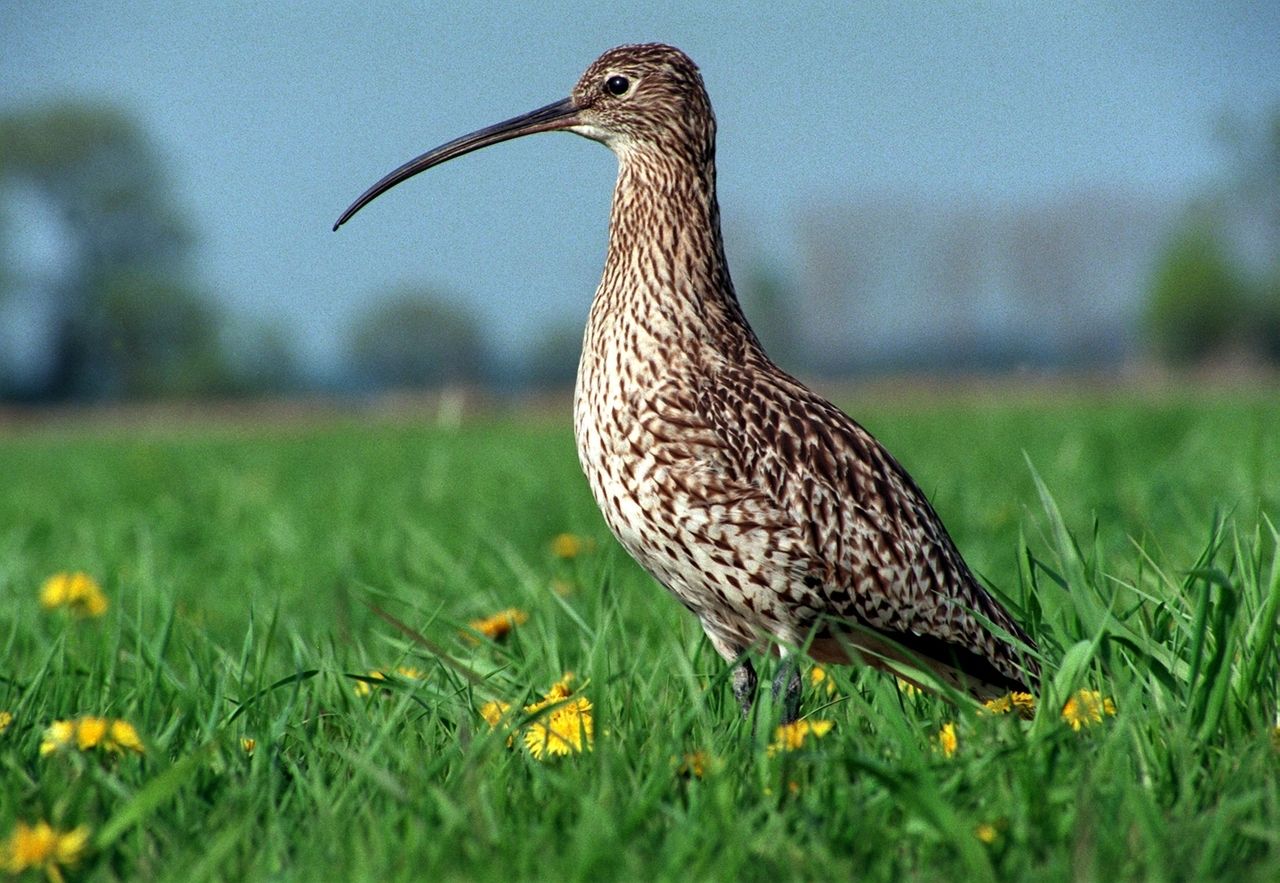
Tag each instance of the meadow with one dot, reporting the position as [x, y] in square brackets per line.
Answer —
[289, 632]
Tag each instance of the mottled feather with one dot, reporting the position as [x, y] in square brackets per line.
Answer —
[767, 511]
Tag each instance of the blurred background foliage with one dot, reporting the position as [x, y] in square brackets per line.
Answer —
[415, 339]
[1208, 300]
[1039, 287]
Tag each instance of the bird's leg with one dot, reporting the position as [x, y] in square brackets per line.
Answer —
[786, 685]
[744, 685]
[744, 673]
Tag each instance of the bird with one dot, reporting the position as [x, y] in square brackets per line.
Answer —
[775, 518]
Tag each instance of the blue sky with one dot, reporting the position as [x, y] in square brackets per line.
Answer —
[275, 116]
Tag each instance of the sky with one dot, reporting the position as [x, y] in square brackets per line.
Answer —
[274, 117]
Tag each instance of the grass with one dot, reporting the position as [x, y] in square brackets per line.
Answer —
[243, 569]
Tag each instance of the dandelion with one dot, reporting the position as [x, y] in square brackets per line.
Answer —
[694, 765]
[1023, 704]
[78, 592]
[494, 711]
[986, 832]
[91, 732]
[947, 741]
[57, 736]
[6, 718]
[248, 745]
[559, 691]
[567, 729]
[820, 680]
[568, 545]
[1000, 705]
[789, 737]
[565, 726]
[906, 688]
[1087, 708]
[363, 686]
[41, 847]
[123, 737]
[88, 733]
[498, 626]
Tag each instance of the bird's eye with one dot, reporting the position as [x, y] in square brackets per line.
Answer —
[617, 85]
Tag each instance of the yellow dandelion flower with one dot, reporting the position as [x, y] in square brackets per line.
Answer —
[567, 729]
[561, 689]
[947, 741]
[90, 732]
[568, 545]
[1023, 704]
[498, 626]
[123, 737]
[789, 737]
[248, 745]
[559, 692]
[78, 592]
[41, 847]
[986, 832]
[557, 730]
[495, 715]
[494, 711]
[1086, 708]
[1001, 705]
[820, 680]
[695, 765]
[6, 718]
[364, 688]
[57, 735]
[906, 688]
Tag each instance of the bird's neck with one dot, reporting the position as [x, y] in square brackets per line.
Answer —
[666, 281]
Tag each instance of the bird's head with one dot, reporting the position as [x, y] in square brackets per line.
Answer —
[645, 99]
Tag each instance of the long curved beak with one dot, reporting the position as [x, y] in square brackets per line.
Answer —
[560, 115]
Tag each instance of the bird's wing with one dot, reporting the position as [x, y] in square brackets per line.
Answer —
[883, 557]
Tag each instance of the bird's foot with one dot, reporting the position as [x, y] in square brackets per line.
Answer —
[744, 686]
[786, 690]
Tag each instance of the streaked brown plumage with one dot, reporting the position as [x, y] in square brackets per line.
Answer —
[771, 515]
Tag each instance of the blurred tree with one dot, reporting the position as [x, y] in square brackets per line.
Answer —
[263, 359]
[1260, 184]
[1267, 328]
[413, 339]
[552, 360]
[769, 301]
[104, 181]
[1197, 301]
[158, 337]
[1217, 284]
[1255, 149]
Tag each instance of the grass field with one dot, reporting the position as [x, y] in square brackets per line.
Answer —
[244, 570]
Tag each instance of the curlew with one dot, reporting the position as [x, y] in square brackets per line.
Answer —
[775, 518]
